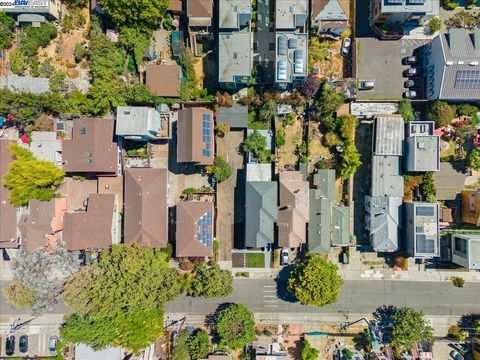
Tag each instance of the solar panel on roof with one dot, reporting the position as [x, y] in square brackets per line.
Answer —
[292, 43]
[206, 134]
[467, 79]
[282, 45]
[205, 229]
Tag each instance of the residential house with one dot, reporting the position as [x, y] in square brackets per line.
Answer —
[21, 84]
[422, 233]
[329, 222]
[466, 251]
[235, 116]
[383, 205]
[146, 207]
[395, 18]
[35, 13]
[42, 223]
[46, 146]
[143, 123]
[291, 14]
[85, 352]
[194, 231]
[471, 207]
[175, 7]
[163, 79]
[195, 138]
[452, 67]
[91, 148]
[330, 17]
[293, 211]
[422, 147]
[269, 351]
[260, 206]
[200, 14]
[8, 212]
[234, 15]
[96, 227]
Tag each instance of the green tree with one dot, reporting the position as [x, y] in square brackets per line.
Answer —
[409, 327]
[255, 143]
[235, 326]
[221, 169]
[329, 101]
[135, 40]
[17, 62]
[33, 38]
[315, 282]
[268, 111]
[28, 178]
[181, 350]
[476, 326]
[98, 331]
[350, 160]
[57, 81]
[474, 159]
[104, 67]
[405, 109]
[19, 295]
[348, 126]
[434, 25]
[79, 52]
[76, 3]
[441, 113]
[466, 110]
[7, 24]
[211, 281]
[427, 187]
[136, 13]
[309, 353]
[198, 345]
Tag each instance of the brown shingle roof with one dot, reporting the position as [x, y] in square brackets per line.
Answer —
[294, 209]
[319, 5]
[163, 80]
[91, 148]
[190, 144]
[188, 215]
[8, 212]
[175, 6]
[91, 229]
[199, 8]
[146, 207]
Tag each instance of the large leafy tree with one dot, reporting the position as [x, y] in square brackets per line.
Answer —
[135, 40]
[329, 101]
[409, 327]
[128, 287]
[235, 326]
[28, 178]
[310, 86]
[7, 25]
[198, 345]
[348, 126]
[211, 281]
[350, 160]
[221, 169]
[181, 350]
[441, 113]
[19, 295]
[315, 282]
[309, 353]
[255, 143]
[138, 13]
[474, 159]
[405, 109]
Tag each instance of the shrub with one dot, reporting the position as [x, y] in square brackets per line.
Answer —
[221, 169]
[17, 62]
[33, 38]
[7, 24]
[310, 86]
[290, 119]
[280, 137]
[331, 139]
[455, 332]
[450, 5]
[19, 295]
[441, 113]
[405, 109]
[223, 99]
[80, 52]
[433, 25]
[458, 282]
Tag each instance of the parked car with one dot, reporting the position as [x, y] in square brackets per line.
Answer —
[347, 43]
[408, 83]
[409, 60]
[456, 355]
[52, 343]
[412, 71]
[23, 343]
[410, 94]
[284, 257]
[10, 345]
[366, 84]
[5, 255]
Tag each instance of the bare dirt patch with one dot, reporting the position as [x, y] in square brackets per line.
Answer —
[293, 138]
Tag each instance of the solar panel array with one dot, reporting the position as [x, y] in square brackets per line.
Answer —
[467, 79]
[206, 134]
[204, 229]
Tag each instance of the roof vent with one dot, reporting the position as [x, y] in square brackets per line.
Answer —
[449, 63]
[461, 62]
[421, 145]
[473, 63]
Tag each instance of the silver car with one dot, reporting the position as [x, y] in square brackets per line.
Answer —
[410, 94]
[366, 84]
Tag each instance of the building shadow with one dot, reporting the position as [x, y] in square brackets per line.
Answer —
[239, 210]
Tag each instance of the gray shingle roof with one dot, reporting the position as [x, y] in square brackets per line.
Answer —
[383, 221]
[388, 135]
[386, 178]
[319, 224]
[236, 116]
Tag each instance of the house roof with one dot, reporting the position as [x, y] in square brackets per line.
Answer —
[175, 5]
[260, 213]
[194, 234]
[324, 180]
[146, 207]
[341, 225]
[8, 212]
[290, 13]
[425, 228]
[234, 56]
[195, 142]
[293, 212]
[388, 135]
[386, 178]
[383, 221]
[233, 13]
[46, 146]
[291, 58]
[28, 84]
[200, 8]
[91, 148]
[259, 172]
[422, 153]
[319, 241]
[330, 10]
[236, 116]
[428, 7]
[45, 218]
[163, 80]
[90, 229]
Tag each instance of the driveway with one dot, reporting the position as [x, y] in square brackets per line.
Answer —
[449, 180]
[227, 148]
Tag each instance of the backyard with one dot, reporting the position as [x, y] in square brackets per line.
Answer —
[287, 153]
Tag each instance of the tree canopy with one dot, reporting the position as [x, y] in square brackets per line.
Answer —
[181, 350]
[329, 101]
[409, 327]
[235, 326]
[309, 353]
[136, 13]
[474, 159]
[7, 24]
[350, 159]
[19, 295]
[125, 291]
[28, 178]
[406, 110]
[221, 169]
[198, 345]
[255, 143]
[210, 281]
[441, 113]
[310, 86]
[315, 282]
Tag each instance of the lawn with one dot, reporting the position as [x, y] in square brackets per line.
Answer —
[447, 150]
[287, 154]
[255, 260]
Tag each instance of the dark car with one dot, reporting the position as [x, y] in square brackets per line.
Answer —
[5, 255]
[409, 60]
[409, 83]
[23, 343]
[10, 345]
[410, 94]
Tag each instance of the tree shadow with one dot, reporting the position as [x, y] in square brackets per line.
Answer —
[466, 321]
[281, 281]
[384, 315]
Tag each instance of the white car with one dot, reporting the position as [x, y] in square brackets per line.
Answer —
[284, 257]
[347, 43]
[456, 355]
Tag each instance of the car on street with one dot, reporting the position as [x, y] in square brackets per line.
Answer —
[410, 94]
[52, 343]
[284, 257]
[23, 344]
[366, 84]
[10, 345]
[456, 355]
[409, 60]
[409, 83]
[412, 72]
[346, 45]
